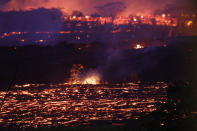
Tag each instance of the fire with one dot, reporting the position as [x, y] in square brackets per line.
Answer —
[93, 79]
[163, 15]
[139, 46]
[189, 23]
[87, 17]
[77, 77]
[74, 17]
[162, 19]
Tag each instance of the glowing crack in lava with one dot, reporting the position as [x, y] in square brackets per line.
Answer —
[77, 76]
[32, 106]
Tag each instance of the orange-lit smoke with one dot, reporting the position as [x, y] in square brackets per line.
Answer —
[75, 74]
[64, 5]
[87, 6]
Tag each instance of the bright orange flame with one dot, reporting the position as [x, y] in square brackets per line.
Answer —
[87, 17]
[76, 77]
[93, 79]
[139, 46]
[163, 15]
[189, 23]
[74, 17]
[118, 20]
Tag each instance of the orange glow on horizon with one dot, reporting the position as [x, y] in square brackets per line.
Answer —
[118, 20]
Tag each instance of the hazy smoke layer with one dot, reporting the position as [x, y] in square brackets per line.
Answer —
[31, 21]
[91, 6]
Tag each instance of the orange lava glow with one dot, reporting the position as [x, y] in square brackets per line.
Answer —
[51, 105]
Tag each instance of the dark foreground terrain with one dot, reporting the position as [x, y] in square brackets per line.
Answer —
[115, 62]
